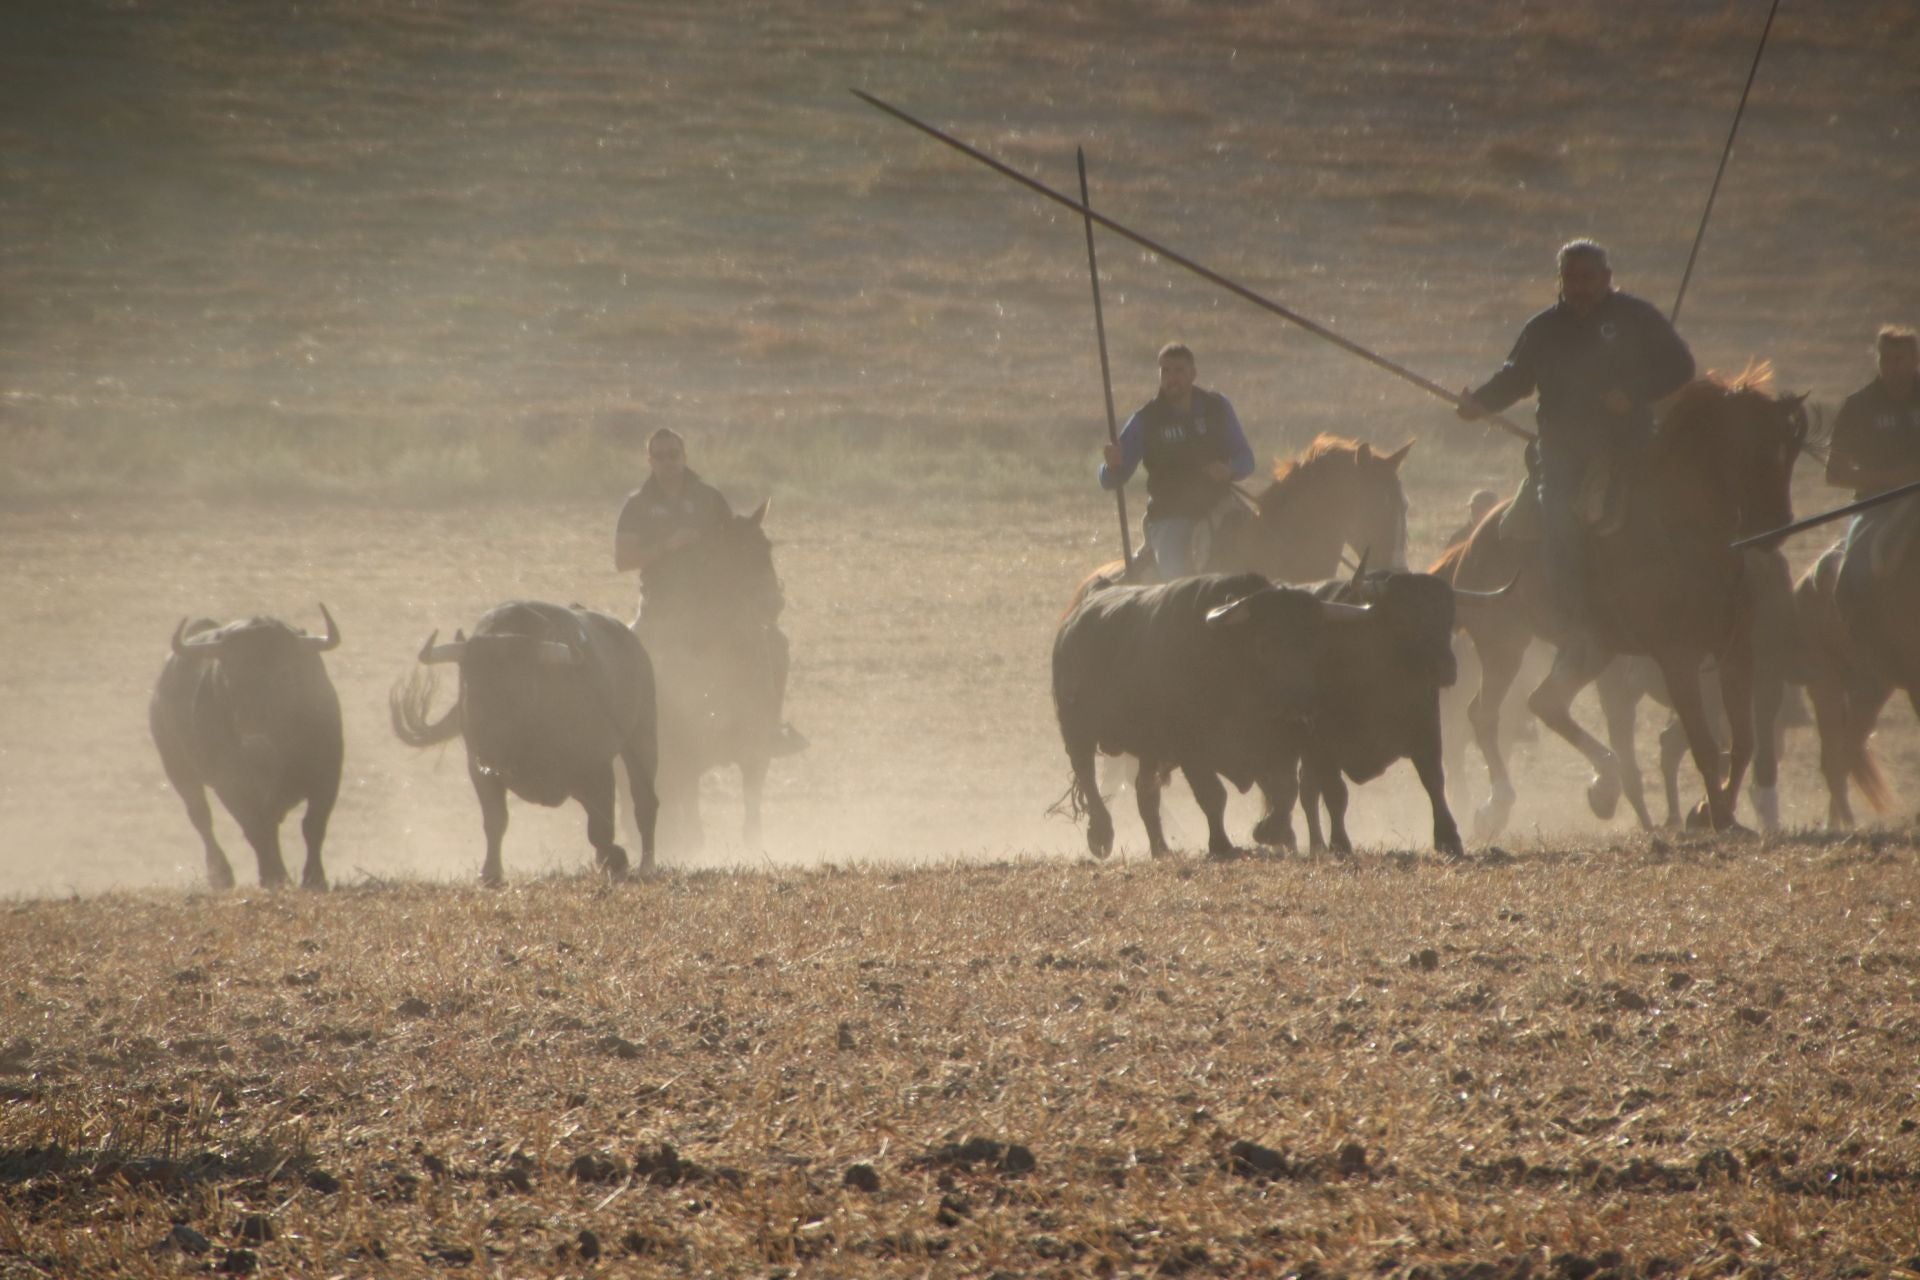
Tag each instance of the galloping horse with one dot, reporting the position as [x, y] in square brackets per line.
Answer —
[1665, 584]
[1857, 616]
[1335, 493]
[712, 644]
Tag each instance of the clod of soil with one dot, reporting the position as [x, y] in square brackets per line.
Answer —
[862, 1177]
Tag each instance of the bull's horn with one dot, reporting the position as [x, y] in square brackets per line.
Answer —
[1461, 593]
[1230, 614]
[1333, 611]
[209, 639]
[1360, 570]
[449, 652]
[331, 640]
[760, 512]
[558, 653]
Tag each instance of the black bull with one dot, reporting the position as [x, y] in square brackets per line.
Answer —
[248, 710]
[548, 697]
[1207, 674]
[1230, 677]
[1377, 700]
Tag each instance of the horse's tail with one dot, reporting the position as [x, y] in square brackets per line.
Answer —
[1865, 772]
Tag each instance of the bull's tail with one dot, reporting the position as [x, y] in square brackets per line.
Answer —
[1865, 772]
[1072, 805]
[411, 703]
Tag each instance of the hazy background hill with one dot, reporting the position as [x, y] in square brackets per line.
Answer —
[446, 248]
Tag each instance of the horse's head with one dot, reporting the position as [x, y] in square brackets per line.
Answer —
[1746, 441]
[1344, 492]
[734, 567]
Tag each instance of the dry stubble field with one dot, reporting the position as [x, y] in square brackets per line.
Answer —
[373, 304]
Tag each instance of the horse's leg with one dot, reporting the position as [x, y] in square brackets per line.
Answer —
[1574, 668]
[1499, 664]
[1683, 687]
[1673, 749]
[1833, 721]
[1146, 795]
[1211, 794]
[1620, 704]
[1736, 697]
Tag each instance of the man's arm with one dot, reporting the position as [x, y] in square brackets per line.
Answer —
[1115, 471]
[1515, 381]
[1239, 452]
[1669, 363]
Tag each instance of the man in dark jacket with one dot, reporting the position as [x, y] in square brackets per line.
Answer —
[1598, 359]
[674, 509]
[1191, 442]
[1876, 436]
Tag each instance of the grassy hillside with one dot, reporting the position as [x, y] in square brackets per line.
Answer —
[430, 250]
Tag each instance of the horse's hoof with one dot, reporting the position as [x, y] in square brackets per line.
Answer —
[1490, 819]
[1699, 818]
[1100, 839]
[1225, 853]
[1766, 804]
[1603, 795]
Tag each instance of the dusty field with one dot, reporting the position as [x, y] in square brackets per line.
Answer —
[920, 674]
[373, 304]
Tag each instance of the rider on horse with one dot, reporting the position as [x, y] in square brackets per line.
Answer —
[1191, 442]
[1599, 359]
[668, 515]
[1876, 436]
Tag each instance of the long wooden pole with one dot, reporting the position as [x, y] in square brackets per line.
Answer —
[1313, 327]
[1826, 517]
[1673, 317]
[1106, 371]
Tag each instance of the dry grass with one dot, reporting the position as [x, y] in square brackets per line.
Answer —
[1571, 1061]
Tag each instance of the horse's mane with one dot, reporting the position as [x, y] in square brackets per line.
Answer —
[1324, 446]
[1694, 402]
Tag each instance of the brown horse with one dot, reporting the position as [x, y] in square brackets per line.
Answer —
[1857, 621]
[1335, 493]
[1665, 583]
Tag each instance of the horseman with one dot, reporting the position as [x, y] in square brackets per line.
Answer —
[1191, 442]
[1876, 437]
[659, 527]
[1599, 360]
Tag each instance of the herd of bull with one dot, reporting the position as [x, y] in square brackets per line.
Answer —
[549, 698]
[1293, 690]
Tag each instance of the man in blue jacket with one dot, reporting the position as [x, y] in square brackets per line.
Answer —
[1191, 442]
[1598, 359]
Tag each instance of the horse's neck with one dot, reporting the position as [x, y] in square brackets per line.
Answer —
[1302, 528]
